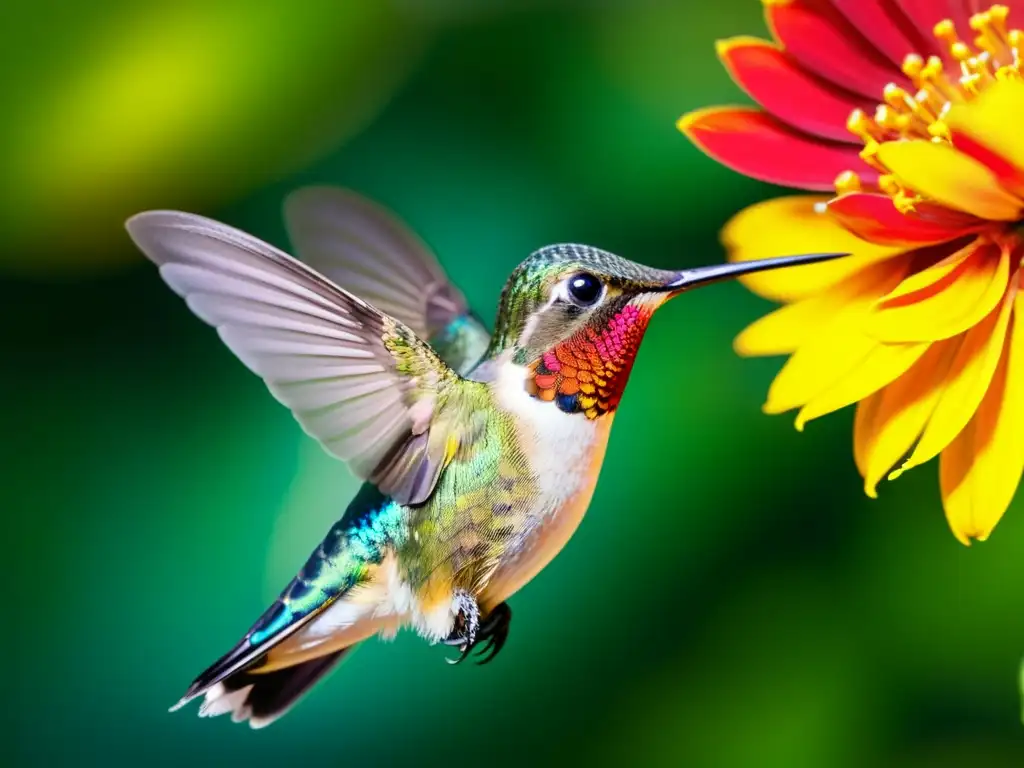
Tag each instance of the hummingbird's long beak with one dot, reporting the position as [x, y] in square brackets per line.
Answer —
[693, 278]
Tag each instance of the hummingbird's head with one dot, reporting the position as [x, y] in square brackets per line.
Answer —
[574, 316]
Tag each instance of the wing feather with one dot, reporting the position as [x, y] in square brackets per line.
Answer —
[365, 249]
[356, 379]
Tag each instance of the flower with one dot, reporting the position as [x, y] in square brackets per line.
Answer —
[917, 131]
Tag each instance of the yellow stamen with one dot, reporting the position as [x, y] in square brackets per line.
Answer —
[960, 51]
[934, 77]
[939, 130]
[896, 97]
[1014, 38]
[861, 126]
[888, 184]
[994, 55]
[923, 114]
[945, 31]
[988, 38]
[991, 28]
[913, 66]
[870, 156]
[930, 100]
[847, 182]
[887, 118]
[905, 202]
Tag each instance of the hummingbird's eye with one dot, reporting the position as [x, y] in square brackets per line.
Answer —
[585, 289]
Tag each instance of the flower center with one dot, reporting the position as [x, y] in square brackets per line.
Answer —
[995, 56]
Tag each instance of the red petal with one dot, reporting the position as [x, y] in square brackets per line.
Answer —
[960, 12]
[1009, 175]
[757, 145]
[873, 217]
[778, 84]
[889, 30]
[818, 37]
[1016, 10]
[925, 14]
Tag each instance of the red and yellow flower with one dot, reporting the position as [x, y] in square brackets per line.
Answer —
[919, 136]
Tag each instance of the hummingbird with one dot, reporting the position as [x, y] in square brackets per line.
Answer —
[480, 450]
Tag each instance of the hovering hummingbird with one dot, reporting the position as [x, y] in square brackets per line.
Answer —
[480, 451]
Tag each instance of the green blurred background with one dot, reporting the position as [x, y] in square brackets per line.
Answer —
[732, 598]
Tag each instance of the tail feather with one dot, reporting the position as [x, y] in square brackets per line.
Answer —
[239, 657]
[261, 698]
[243, 682]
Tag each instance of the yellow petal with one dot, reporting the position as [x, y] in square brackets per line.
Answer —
[790, 225]
[838, 344]
[883, 364]
[927, 278]
[967, 382]
[993, 120]
[782, 331]
[947, 176]
[954, 295]
[979, 471]
[889, 429]
[863, 420]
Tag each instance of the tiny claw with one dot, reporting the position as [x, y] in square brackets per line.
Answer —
[463, 653]
[481, 649]
[471, 633]
[492, 649]
[497, 635]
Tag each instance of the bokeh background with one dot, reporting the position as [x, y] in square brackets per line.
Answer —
[732, 598]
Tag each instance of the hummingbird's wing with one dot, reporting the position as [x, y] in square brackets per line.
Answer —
[362, 247]
[357, 380]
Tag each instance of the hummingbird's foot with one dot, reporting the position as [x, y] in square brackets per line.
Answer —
[467, 624]
[493, 629]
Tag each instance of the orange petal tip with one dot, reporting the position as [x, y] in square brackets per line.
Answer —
[724, 46]
[685, 123]
[692, 121]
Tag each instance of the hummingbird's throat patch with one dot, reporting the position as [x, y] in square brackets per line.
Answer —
[588, 373]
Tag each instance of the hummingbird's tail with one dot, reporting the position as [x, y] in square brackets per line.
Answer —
[261, 698]
[338, 598]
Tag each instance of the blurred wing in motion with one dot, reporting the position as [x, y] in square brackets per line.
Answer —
[360, 246]
[360, 382]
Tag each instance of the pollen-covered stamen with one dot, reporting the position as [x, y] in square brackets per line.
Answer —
[862, 126]
[909, 116]
[994, 55]
[990, 27]
[902, 197]
[1015, 39]
[996, 51]
[930, 76]
[847, 182]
